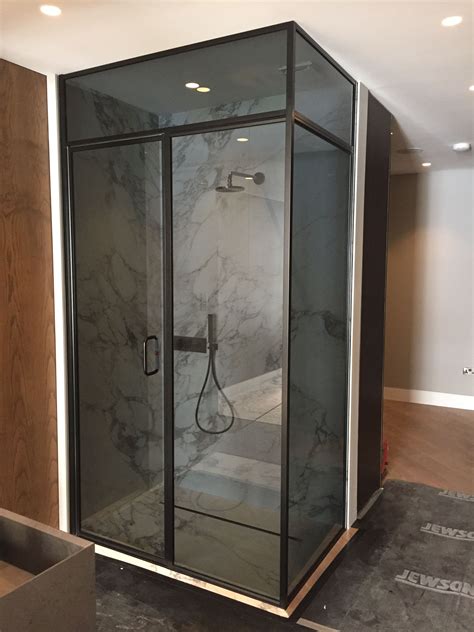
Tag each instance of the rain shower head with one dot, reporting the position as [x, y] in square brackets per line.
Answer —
[258, 178]
[230, 188]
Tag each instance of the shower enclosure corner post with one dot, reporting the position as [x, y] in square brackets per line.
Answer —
[289, 142]
[168, 426]
[70, 364]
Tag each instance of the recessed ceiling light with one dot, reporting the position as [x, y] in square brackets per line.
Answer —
[426, 164]
[50, 10]
[462, 146]
[242, 139]
[452, 20]
[471, 88]
[203, 89]
[192, 85]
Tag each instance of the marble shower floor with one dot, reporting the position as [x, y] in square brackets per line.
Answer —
[238, 522]
[240, 519]
[242, 537]
[258, 399]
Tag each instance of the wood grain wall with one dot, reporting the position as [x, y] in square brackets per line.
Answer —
[28, 444]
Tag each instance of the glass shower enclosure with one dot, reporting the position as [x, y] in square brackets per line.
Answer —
[207, 201]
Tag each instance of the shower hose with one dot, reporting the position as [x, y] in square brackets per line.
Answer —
[211, 370]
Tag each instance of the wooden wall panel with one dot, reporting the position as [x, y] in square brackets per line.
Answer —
[28, 443]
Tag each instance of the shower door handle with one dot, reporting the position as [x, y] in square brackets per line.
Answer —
[156, 355]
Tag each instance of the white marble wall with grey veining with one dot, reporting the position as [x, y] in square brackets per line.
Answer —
[92, 113]
[228, 260]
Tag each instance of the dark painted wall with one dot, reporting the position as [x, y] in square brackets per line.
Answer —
[373, 300]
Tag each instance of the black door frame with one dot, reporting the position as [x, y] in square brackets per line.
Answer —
[165, 136]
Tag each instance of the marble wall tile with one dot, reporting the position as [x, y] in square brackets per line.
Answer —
[93, 113]
[228, 260]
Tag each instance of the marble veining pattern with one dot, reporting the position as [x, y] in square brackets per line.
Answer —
[227, 261]
[258, 398]
[318, 360]
[118, 268]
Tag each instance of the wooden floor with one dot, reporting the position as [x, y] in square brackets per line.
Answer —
[430, 445]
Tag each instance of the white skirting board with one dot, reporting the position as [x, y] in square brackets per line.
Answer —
[431, 398]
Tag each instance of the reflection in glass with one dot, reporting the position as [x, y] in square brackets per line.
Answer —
[118, 229]
[322, 93]
[318, 349]
[243, 77]
[228, 213]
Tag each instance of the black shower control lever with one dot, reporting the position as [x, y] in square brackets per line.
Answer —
[190, 343]
[155, 355]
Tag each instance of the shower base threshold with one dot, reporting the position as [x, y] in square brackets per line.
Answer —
[316, 574]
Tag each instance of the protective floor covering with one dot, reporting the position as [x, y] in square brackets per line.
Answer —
[411, 569]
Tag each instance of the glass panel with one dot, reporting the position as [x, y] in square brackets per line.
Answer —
[228, 201]
[318, 349]
[118, 232]
[322, 93]
[244, 76]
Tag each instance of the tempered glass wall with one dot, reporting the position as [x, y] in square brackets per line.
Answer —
[208, 306]
[322, 93]
[238, 78]
[228, 289]
[117, 205]
[318, 349]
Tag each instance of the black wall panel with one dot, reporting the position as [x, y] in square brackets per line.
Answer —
[373, 300]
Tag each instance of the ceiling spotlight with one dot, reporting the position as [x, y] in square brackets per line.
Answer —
[426, 164]
[471, 88]
[242, 139]
[462, 146]
[203, 89]
[452, 20]
[50, 10]
[192, 85]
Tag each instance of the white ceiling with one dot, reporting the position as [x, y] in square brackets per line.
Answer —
[419, 70]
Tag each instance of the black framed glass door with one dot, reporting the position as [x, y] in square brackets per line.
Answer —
[118, 251]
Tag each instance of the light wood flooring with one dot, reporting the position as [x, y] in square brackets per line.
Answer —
[430, 445]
